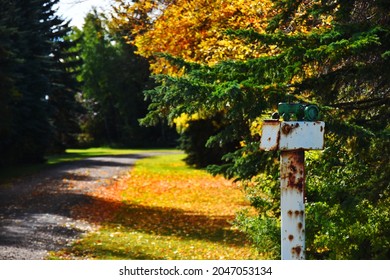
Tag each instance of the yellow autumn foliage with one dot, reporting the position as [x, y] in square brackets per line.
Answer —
[194, 30]
[181, 122]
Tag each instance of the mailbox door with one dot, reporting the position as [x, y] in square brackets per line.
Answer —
[270, 135]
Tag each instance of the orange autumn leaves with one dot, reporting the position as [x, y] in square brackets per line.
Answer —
[165, 210]
[187, 190]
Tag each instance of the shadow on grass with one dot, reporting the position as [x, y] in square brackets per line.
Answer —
[178, 223]
[140, 232]
[161, 221]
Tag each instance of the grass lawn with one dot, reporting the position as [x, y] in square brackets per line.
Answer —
[77, 154]
[163, 210]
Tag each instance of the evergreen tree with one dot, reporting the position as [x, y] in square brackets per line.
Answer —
[7, 77]
[31, 30]
[64, 110]
[29, 129]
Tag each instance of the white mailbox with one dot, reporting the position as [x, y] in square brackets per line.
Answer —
[292, 135]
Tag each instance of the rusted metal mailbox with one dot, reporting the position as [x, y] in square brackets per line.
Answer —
[292, 138]
[292, 135]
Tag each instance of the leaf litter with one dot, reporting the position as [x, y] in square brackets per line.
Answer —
[168, 212]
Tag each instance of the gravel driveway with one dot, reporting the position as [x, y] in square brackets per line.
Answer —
[35, 212]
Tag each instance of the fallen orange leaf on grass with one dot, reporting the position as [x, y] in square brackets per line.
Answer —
[183, 205]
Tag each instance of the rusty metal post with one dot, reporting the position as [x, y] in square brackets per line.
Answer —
[292, 183]
[292, 139]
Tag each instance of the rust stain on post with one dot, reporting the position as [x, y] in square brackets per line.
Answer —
[292, 176]
[293, 169]
[296, 251]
